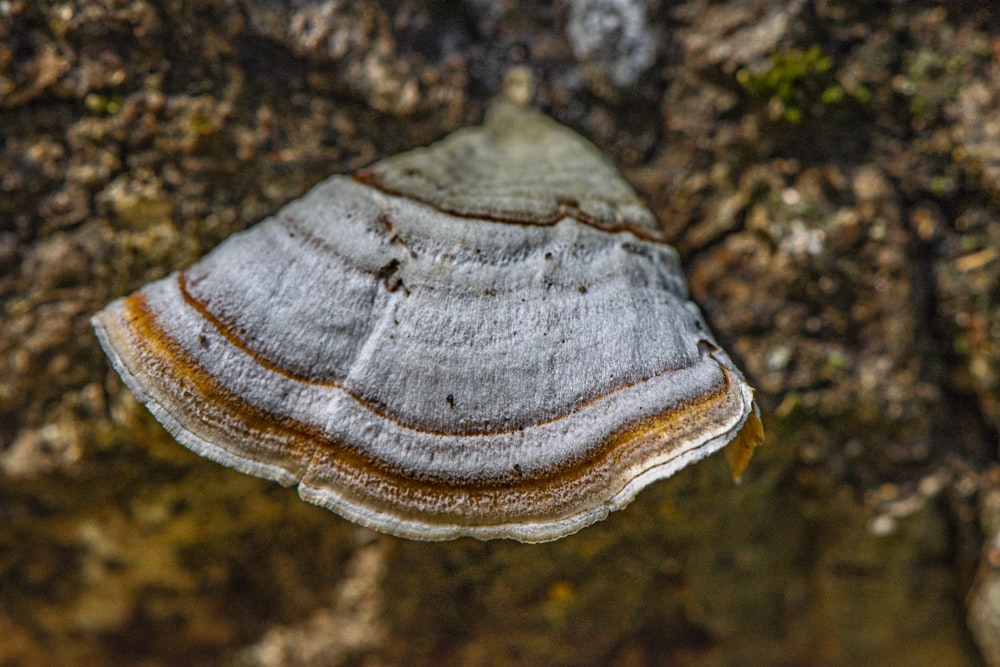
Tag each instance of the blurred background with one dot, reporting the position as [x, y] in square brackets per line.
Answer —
[830, 173]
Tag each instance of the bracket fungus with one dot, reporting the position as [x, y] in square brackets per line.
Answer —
[487, 337]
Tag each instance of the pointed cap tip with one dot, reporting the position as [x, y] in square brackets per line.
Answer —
[518, 86]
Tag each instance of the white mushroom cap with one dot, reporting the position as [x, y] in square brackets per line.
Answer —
[486, 337]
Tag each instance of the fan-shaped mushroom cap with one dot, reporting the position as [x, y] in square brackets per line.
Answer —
[485, 337]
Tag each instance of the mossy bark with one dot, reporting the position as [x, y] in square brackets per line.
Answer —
[846, 254]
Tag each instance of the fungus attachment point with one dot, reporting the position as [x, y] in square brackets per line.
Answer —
[487, 337]
[519, 86]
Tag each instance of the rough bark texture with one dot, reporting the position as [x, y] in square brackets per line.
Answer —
[830, 172]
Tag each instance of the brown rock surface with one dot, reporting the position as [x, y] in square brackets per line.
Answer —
[829, 172]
